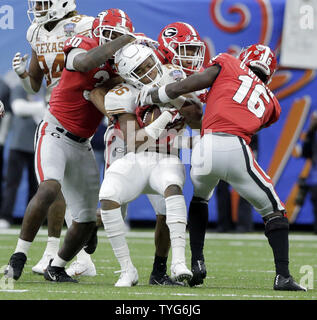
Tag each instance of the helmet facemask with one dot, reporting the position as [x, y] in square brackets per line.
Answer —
[139, 66]
[44, 11]
[188, 55]
[108, 33]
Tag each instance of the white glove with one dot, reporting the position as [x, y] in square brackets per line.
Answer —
[2, 112]
[19, 64]
[144, 97]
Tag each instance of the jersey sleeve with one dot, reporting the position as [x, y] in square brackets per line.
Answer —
[275, 113]
[84, 25]
[79, 42]
[31, 35]
[121, 99]
[221, 59]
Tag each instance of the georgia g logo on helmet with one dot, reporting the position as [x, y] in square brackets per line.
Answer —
[170, 32]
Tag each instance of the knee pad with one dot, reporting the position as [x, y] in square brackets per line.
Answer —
[275, 221]
[176, 209]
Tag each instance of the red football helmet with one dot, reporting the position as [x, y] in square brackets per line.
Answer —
[109, 21]
[260, 57]
[181, 45]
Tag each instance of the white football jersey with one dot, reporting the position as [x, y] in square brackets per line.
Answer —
[48, 45]
[124, 97]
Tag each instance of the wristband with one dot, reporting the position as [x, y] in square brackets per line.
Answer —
[163, 97]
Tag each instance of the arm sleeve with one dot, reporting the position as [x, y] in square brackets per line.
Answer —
[24, 108]
[70, 58]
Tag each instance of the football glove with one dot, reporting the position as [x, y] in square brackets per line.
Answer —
[19, 63]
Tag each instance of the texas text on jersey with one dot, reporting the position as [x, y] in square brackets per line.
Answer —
[48, 45]
[69, 102]
[254, 106]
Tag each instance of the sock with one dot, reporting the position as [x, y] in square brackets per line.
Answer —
[83, 257]
[278, 240]
[52, 246]
[23, 246]
[176, 221]
[159, 265]
[115, 230]
[58, 262]
[197, 225]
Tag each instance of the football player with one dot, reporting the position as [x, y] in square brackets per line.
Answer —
[146, 171]
[180, 45]
[239, 104]
[64, 158]
[52, 23]
[189, 56]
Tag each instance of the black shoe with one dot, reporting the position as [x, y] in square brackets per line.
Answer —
[163, 280]
[91, 244]
[286, 284]
[57, 274]
[199, 273]
[15, 266]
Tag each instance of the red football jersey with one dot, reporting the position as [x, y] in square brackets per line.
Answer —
[238, 102]
[69, 102]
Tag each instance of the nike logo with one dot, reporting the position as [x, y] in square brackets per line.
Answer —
[51, 276]
[80, 273]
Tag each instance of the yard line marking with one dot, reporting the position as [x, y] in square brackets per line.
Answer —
[150, 234]
[14, 291]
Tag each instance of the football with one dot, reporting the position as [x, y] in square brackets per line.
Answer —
[151, 114]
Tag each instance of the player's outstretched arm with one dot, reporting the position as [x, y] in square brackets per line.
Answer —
[193, 83]
[97, 95]
[31, 79]
[95, 57]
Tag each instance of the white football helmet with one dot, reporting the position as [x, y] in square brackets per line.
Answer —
[44, 11]
[128, 60]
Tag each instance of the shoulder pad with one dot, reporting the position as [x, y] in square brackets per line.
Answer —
[84, 25]
[121, 99]
[30, 34]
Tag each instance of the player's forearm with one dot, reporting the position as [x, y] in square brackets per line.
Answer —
[97, 97]
[193, 115]
[193, 83]
[96, 57]
[29, 84]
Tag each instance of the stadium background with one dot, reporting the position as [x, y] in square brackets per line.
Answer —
[225, 26]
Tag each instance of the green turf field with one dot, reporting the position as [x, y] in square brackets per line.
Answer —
[240, 267]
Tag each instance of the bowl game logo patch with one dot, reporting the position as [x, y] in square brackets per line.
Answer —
[69, 29]
[177, 75]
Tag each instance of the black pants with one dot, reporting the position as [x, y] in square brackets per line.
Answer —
[18, 160]
[225, 223]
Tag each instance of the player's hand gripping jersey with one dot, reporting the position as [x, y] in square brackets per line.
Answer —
[49, 45]
[69, 102]
[124, 98]
[239, 103]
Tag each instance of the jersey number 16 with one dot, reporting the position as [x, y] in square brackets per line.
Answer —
[255, 102]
